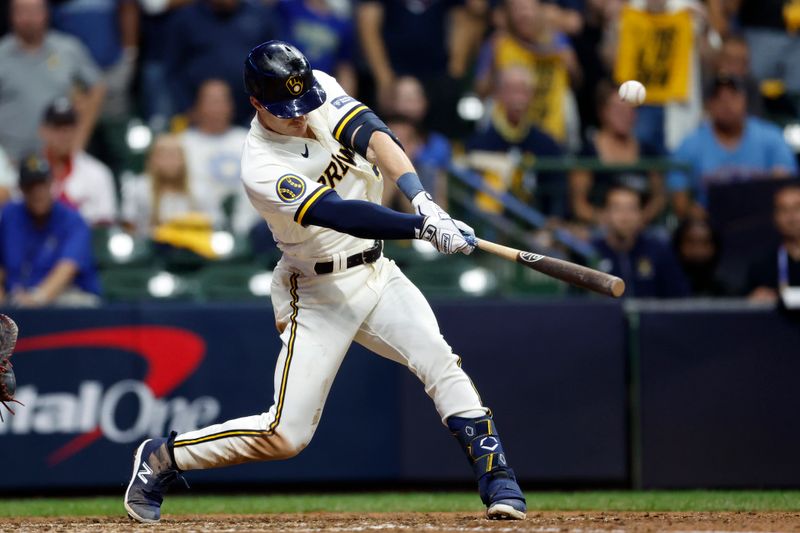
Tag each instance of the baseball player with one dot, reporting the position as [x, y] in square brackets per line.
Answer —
[313, 166]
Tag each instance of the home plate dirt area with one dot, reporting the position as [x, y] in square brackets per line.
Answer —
[577, 522]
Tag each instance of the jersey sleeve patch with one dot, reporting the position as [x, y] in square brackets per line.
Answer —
[290, 188]
[341, 101]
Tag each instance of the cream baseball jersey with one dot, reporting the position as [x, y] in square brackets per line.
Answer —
[283, 176]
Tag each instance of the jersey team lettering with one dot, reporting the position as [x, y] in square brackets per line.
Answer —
[290, 188]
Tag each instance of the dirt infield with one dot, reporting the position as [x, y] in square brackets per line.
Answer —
[576, 522]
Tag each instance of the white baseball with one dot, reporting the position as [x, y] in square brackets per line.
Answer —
[632, 92]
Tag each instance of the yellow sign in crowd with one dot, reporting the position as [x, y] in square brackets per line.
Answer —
[656, 49]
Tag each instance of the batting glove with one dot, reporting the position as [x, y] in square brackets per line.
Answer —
[424, 205]
[444, 235]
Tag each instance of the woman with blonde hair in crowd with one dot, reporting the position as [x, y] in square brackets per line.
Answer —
[162, 193]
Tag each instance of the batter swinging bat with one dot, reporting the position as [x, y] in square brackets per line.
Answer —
[578, 275]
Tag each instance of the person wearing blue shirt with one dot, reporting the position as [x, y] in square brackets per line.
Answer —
[431, 155]
[45, 246]
[325, 37]
[730, 146]
[647, 264]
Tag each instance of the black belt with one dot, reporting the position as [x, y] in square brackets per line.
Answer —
[370, 255]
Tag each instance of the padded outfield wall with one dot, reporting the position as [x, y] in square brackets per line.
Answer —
[583, 394]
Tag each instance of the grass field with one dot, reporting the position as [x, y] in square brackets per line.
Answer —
[421, 502]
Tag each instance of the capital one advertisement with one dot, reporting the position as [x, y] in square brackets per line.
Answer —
[95, 383]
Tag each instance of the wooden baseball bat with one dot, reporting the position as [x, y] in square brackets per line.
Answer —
[577, 275]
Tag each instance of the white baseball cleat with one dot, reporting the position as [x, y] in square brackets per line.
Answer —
[506, 510]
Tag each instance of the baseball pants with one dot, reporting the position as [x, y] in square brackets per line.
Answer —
[319, 317]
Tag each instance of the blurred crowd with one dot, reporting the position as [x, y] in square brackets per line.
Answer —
[131, 114]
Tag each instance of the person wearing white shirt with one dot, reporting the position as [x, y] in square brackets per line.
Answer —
[162, 193]
[79, 179]
[214, 152]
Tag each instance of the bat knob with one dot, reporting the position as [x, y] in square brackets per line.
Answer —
[617, 287]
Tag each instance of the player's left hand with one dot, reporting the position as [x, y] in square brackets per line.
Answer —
[425, 206]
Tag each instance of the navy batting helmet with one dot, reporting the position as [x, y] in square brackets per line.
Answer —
[278, 75]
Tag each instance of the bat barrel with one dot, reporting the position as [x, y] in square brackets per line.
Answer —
[571, 273]
[577, 275]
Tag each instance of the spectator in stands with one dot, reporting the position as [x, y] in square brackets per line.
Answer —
[36, 67]
[431, 159]
[781, 266]
[588, 45]
[730, 146]
[45, 247]
[508, 140]
[529, 40]
[8, 178]
[734, 60]
[162, 193]
[647, 265]
[155, 101]
[432, 40]
[614, 144]
[566, 15]
[79, 180]
[109, 30]
[408, 99]
[326, 37]
[661, 43]
[204, 38]
[213, 148]
[770, 27]
[409, 106]
[697, 246]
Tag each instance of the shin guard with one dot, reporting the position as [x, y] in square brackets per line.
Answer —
[481, 444]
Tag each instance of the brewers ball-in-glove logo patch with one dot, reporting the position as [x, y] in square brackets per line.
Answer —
[290, 188]
[295, 85]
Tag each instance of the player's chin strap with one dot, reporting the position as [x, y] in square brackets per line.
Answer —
[481, 443]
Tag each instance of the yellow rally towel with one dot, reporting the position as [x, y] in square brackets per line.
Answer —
[656, 49]
[192, 232]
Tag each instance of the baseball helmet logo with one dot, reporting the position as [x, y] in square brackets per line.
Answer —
[295, 85]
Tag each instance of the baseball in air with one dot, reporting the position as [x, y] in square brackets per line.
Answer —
[632, 92]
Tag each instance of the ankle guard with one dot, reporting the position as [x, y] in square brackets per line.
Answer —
[481, 443]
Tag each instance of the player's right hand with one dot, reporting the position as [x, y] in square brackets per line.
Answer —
[444, 235]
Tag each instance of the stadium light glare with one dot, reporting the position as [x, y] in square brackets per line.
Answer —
[424, 248]
[162, 285]
[476, 281]
[138, 137]
[120, 245]
[222, 243]
[470, 108]
[791, 134]
[261, 284]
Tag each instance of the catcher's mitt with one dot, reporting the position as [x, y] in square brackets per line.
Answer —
[8, 382]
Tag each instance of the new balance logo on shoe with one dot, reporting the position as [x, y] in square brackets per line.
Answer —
[145, 471]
